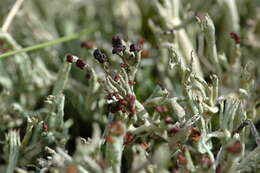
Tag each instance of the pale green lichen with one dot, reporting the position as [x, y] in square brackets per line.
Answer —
[194, 107]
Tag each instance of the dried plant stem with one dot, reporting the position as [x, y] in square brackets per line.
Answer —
[11, 15]
[49, 43]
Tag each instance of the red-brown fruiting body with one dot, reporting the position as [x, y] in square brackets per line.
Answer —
[45, 127]
[161, 109]
[115, 107]
[235, 37]
[81, 64]
[70, 58]
[117, 45]
[88, 44]
[195, 134]
[131, 103]
[174, 130]
[128, 138]
[235, 148]
[181, 158]
[72, 169]
[101, 57]
[123, 102]
[131, 99]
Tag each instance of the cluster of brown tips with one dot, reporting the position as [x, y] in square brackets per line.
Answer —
[79, 63]
[126, 104]
[117, 45]
[100, 56]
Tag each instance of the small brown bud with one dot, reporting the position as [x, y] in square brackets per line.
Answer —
[80, 63]
[161, 109]
[101, 57]
[88, 44]
[235, 37]
[115, 107]
[173, 131]
[123, 102]
[45, 127]
[131, 103]
[128, 138]
[235, 148]
[72, 169]
[70, 58]
[195, 134]
[117, 45]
